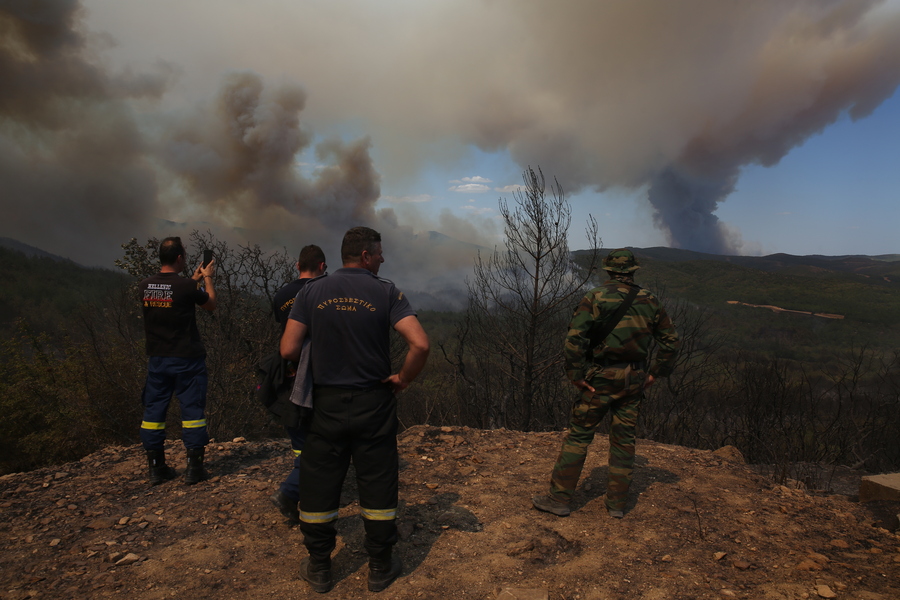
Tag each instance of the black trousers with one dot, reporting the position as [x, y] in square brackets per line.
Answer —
[357, 425]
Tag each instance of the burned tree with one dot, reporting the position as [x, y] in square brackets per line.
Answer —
[520, 301]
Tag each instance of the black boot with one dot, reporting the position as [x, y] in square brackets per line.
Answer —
[195, 472]
[286, 506]
[383, 570]
[317, 573]
[159, 470]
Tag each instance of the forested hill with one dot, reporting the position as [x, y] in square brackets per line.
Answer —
[45, 289]
[81, 360]
[27, 250]
[878, 267]
[884, 268]
[864, 290]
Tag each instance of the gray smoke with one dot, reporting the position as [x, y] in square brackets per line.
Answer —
[89, 158]
[685, 207]
[679, 96]
[235, 162]
[821, 61]
[72, 159]
[672, 97]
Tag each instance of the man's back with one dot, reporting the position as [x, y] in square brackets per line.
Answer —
[170, 322]
[629, 341]
[283, 301]
[349, 315]
[177, 360]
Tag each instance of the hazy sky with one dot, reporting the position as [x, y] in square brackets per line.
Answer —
[731, 127]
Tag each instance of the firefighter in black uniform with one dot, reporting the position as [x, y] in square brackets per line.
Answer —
[348, 316]
[310, 264]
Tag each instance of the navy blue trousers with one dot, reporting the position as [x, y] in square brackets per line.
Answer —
[290, 487]
[186, 378]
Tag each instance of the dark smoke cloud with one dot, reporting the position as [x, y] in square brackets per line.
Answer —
[71, 155]
[87, 159]
[672, 97]
[236, 165]
[685, 205]
[236, 157]
[679, 96]
[821, 62]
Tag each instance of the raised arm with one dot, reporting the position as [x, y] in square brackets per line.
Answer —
[206, 274]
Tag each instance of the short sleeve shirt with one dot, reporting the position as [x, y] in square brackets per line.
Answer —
[170, 320]
[349, 315]
[284, 300]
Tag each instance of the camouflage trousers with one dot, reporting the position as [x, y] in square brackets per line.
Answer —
[618, 391]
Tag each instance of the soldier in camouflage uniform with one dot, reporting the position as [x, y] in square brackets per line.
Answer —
[612, 376]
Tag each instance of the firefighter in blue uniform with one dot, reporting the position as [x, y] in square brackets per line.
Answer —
[176, 360]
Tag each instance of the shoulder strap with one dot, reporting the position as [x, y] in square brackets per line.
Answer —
[598, 336]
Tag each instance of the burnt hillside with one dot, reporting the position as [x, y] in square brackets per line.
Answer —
[698, 526]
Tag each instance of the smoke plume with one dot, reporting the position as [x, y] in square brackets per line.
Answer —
[679, 96]
[88, 159]
[71, 155]
[674, 98]
[236, 162]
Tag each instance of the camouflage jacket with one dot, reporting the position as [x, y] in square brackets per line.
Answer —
[645, 320]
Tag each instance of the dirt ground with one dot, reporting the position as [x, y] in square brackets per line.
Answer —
[697, 526]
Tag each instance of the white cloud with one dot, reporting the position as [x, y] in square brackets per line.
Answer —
[470, 188]
[476, 179]
[509, 189]
[471, 185]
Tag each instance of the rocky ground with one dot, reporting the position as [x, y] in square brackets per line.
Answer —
[698, 526]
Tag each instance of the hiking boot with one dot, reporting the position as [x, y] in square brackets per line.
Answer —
[195, 472]
[614, 513]
[286, 506]
[383, 572]
[159, 470]
[317, 573]
[550, 504]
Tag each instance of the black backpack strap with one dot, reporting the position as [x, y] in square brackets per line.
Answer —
[598, 335]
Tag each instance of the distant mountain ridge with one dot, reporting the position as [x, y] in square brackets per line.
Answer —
[31, 251]
[879, 267]
[730, 289]
[46, 289]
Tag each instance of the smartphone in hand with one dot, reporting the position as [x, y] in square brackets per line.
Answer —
[207, 257]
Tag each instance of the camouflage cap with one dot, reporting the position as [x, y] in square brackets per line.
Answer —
[621, 261]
